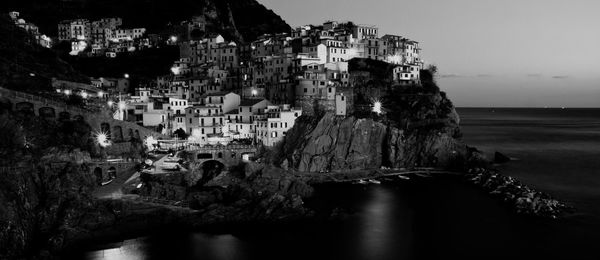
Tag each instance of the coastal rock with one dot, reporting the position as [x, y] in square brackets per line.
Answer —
[336, 143]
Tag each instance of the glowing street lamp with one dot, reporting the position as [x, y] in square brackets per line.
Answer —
[102, 139]
[377, 107]
[150, 142]
[173, 38]
[84, 94]
[101, 94]
[176, 70]
[126, 75]
[67, 92]
[110, 103]
[122, 105]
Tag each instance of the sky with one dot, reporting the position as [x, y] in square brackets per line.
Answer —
[509, 53]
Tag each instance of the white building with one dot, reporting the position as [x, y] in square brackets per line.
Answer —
[272, 128]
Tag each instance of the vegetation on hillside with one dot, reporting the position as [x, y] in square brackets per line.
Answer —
[26, 66]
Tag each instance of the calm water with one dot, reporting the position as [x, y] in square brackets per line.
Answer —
[558, 151]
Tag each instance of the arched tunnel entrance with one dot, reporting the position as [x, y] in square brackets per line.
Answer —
[210, 170]
[112, 173]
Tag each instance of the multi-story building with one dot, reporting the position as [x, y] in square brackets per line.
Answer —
[273, 125]
[79, 29]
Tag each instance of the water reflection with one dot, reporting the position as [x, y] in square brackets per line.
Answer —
[134, 249]
[428, 219]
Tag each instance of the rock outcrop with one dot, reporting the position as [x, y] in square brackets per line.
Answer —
[337, 143]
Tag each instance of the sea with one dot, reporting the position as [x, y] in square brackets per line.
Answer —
[554, 150]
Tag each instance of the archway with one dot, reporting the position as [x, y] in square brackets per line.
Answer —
[130, 135]
[112, 173]
[210, 170]
[117, 133]
[47, 112]
[98, 175]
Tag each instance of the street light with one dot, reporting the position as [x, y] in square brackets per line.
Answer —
[377, 107]
[101, 94]
[102, 139]
[122, 105]
[110, 103]
[126, 75]
[176, 70]
[84, 94]
[67, 92]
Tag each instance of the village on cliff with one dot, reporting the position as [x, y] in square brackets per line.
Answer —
[223, 92]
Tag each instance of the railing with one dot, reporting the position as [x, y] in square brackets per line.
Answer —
[46, 100]
[221, 148]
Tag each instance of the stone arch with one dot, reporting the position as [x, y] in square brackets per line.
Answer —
[25, 107]
[105, 128]
[64, 116]
[112, 173]
[220, 155]
[47, 112]
[130, 134]
[117, 133]
[98, 175]
[210, 170]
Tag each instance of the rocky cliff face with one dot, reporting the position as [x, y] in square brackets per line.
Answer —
[424, 139]
[44, 203]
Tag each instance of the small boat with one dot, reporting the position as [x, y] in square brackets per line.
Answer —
[403, 177]
[374, 181]
[107, 182]
[362, 182]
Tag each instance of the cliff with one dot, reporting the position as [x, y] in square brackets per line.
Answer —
[418, 128]
[336, 143]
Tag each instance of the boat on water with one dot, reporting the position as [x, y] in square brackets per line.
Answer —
[362, 182]
[403, 177]
[374, 181]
